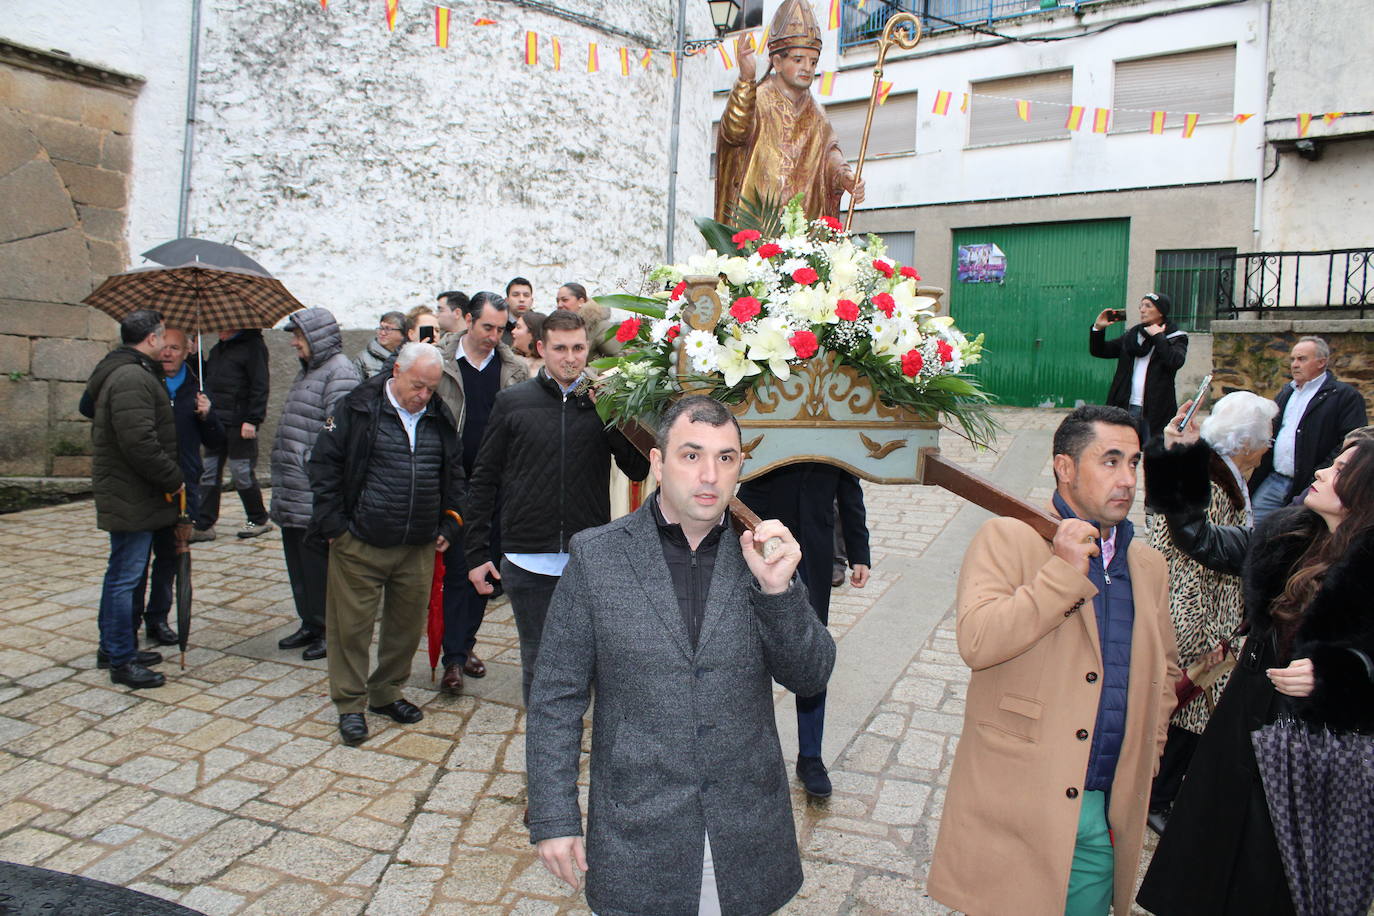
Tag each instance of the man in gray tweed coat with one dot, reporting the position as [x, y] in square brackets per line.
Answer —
[682, 629]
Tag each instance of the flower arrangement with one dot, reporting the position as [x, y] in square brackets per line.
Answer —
[811, 290]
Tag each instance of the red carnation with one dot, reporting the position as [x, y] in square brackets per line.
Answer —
[912, 363]
[744, 237]
[804, 342]
[679, 290]
[629, 328]
[805, 276]
[745, 307]
[846, 310]
[946, 352]
[882, 267]
[885, 303]
[673, 332]
[834, 224]
[910, 272]
[768, 249]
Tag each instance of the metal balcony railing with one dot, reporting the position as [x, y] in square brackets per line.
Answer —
[1271, 284]
[860, 26]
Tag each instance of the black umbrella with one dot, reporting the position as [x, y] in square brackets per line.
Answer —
[182, 533]
[211, 254]
[1320, 790]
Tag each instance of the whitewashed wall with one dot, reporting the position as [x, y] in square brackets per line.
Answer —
[369, 169]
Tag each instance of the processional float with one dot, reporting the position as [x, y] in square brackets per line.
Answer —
[824, 349]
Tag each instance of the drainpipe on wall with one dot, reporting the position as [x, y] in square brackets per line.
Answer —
[677, 119]
[1257, 230]
[188, 143]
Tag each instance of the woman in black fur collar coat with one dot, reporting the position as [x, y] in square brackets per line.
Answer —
[1309, 578]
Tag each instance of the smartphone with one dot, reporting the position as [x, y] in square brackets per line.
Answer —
[427, 333]
[1116, 314]
[1197, 401]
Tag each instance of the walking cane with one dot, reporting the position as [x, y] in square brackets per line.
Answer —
[903, 30]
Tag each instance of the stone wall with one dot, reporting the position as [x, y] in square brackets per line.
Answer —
[64, 172]
[1253, 355]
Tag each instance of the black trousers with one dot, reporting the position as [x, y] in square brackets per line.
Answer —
[463, 607]
[307, 566]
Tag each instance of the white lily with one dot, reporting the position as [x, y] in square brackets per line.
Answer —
[734, 363]
[768, 343]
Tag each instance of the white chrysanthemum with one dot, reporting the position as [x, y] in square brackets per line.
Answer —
[703, 350]
[706, 264]
[658, 330]
[791, 265]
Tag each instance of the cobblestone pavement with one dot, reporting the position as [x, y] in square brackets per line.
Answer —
[227, 790]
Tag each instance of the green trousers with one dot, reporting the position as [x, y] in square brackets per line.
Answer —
[1090, 882]
[362, 577]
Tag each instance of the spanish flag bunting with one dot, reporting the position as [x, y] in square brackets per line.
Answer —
[834, 15]
[624, 62]
[884, 87]
[531, 48]
[763, 40]
[1331, 116]
[1189, 125]
[645, 58]
[1101, 118]
[324, 4]
[861, 3]
[672, 62]
[963, 105]
[593, 63]
[941, 105]
[484, 22]
[725, 56]
[1157, 122]
[827, 82]
[557, 54]
[1075, 119]
[1023, 109]
[1304, 122]
[441, 14]
[753, 41]
[1242, 118]
[391, 14]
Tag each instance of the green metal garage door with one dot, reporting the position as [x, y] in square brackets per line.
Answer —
[1058, 277]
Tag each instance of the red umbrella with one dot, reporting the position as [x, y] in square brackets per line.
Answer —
[436, 614]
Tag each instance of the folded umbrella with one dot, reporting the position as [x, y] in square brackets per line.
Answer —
[182, 535]
[435, 628]
[211, 254]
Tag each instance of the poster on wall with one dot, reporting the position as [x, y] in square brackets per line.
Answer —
[985, 263]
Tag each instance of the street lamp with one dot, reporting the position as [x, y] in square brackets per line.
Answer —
[724, 14]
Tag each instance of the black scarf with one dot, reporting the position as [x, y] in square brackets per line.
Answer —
[1137, 343]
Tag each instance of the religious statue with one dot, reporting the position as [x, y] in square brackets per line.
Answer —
[775, 140]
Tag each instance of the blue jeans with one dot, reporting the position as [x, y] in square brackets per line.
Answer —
[128, 563]
[1271, 494]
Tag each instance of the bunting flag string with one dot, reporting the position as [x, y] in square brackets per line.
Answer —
[646, 58]
[1023, 109]
[963, 106]
[725, 56]
[1075, 118]
[827, 83]
[441, 14]
[484, 22]
[1304, 122]
[531, 48]
[324, 4]
[941, 105]
[593, 62]
[672, 62]
[1242, 118]
[834, 23]
[1189, 125]
[1331, 116]
[557, 49]
[1157, 122]
[884, 88]
[1101, 118]
[391, 14]
[624, 62]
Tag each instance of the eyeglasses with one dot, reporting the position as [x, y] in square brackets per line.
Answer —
[387, 327]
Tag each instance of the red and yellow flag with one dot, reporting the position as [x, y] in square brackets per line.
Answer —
[324, 4]
[646, 58]
[1304, 122]
[725, 56]
[1189, 125]
[763, 40]
[1075, 119]
[884, 87]
[484, 22]
[834, 15]
[1242, 118]
[593, 62]
[827, 82]
[1331, 116]
[557, 53]
[1023, 109]
[672, 63]
[441, 14]
[531, 48]
[963, 105]
[941, 105]
[624, 61]
[391, 14]
[1157, 122]
[1102, 117]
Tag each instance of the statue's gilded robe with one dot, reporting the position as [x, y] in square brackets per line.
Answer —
[769, 145]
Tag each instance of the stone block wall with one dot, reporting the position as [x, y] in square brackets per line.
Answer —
[64, 184]
[1253, 355]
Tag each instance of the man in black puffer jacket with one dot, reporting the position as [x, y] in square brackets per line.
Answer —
[549, 455]
[386, 476]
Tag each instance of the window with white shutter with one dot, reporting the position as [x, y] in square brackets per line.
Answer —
[995, 120]
[1196, 82]
[894, 126]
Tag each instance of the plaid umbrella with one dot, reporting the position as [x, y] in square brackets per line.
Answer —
[1320, 790]
[197, 297]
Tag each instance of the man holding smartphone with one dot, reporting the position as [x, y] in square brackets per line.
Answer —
[1148, 355]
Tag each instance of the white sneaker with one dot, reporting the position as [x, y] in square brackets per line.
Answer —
[251, 530]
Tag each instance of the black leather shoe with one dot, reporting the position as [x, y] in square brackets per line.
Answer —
[297, 640]
[314, 651]
[400, 711]
[352, 728]
[161, 634]
[142, 657]
[136, 676]
[814, 778]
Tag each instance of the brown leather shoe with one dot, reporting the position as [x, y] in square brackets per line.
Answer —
[453, 679]
[473, 667]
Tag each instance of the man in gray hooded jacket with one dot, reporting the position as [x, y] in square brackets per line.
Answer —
[326, 376]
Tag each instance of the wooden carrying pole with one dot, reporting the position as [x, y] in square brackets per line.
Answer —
[903, 30]
[938, 472]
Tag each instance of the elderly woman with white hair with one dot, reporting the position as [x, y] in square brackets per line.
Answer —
[1202, 482]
